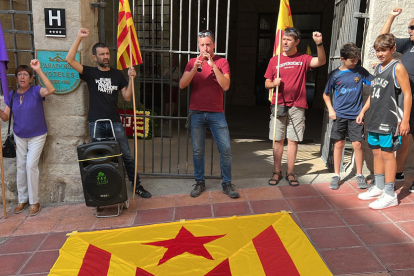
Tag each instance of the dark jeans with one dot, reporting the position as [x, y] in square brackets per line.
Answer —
[103, 129]
[217, 123]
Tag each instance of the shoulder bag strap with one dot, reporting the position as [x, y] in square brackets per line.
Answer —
[11, 111]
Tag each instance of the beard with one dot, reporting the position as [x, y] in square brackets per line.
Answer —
[103, 63]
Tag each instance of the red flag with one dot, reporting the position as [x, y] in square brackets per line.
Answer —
[127, 37]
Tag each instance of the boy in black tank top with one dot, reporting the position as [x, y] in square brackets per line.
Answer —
[386, 122]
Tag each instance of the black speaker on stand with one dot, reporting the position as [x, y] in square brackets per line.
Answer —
[103, 175]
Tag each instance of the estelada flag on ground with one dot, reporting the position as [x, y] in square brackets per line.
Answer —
[127, 37]
[284, 20]
[270, 244]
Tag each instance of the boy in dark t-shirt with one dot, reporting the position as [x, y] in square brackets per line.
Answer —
[386, 121]
[346, 82]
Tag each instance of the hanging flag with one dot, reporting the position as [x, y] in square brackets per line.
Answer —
[269, 244]
[127, 37]
[4, 59]
[308, 50]
[284, 20]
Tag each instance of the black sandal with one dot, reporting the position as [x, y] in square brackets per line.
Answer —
[276, 181]
[292, 182]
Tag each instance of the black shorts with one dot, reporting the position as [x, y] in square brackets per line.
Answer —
[341, 125]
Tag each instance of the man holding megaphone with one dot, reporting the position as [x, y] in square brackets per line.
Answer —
[209, 75]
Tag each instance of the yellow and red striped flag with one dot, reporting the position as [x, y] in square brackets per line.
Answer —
[308, 50]
[284, 20]
[127, 37]
[260, 245]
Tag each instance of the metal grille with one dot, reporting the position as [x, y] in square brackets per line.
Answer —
[167, 33]
[17, 24]
[344, 30]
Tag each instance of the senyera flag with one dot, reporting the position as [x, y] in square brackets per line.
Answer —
[269, 244]
[284, 20]
[127, 37]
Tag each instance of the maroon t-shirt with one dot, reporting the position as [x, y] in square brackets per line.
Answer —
[206, 93]
[292, 91]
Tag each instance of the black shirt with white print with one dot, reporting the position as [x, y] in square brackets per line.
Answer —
[103, 92]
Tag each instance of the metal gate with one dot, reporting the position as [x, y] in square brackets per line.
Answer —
[167, 32]
[17, 25]
[344, 30]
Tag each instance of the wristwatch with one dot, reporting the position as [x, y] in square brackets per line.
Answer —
[320, 44]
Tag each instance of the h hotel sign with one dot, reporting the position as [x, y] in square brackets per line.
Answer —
[55, 23]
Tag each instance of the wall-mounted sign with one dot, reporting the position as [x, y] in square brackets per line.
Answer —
[55, 22]
[63, 77]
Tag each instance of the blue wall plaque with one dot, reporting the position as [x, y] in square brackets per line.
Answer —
[64, 78]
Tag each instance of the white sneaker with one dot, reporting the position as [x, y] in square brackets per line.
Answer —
[384, 201]
[371, 193]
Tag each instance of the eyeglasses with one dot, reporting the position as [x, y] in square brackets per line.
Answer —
[411, 27]
[205, 34]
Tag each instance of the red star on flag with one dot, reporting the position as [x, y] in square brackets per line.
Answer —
[185, 241]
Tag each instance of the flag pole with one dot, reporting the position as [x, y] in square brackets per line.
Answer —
[277, 90]
[135, 116]
[2, 178]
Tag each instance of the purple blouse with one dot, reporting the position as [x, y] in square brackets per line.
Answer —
[29, 116]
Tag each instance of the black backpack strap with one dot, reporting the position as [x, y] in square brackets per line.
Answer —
[11, 111]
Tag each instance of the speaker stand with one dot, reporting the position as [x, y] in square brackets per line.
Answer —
[120, 206]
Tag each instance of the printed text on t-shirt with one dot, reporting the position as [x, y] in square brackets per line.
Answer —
[290, 64]
[105, 85]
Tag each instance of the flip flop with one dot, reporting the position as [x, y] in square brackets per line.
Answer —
[292, 182]
[275, 181]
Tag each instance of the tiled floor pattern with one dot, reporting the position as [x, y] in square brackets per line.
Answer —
[351, 239]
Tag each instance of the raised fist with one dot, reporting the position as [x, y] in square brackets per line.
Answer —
[83, 32]
[34, 63]
[396, 11]
[317, 37]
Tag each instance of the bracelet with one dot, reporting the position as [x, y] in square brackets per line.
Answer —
[320, 44]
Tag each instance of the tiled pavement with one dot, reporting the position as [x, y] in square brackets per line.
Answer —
[351, 239]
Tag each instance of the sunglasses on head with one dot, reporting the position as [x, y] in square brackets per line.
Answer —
[411, 27]
[292, 30]
[204, 34]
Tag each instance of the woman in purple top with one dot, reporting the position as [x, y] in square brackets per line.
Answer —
[29, 127]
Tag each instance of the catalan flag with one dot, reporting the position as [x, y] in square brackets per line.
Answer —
[269, 244]
[284, 20]
[308, 50]
[127, 37]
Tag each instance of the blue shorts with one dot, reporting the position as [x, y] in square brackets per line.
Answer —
[385, 142]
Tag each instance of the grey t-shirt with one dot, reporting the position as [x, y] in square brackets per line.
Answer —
[406, 47]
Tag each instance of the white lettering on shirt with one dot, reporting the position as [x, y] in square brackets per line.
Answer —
[105, 85]
[290, 64]
[379, 81]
